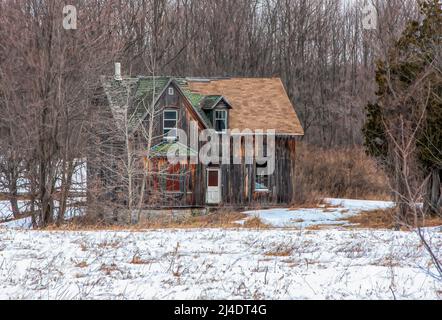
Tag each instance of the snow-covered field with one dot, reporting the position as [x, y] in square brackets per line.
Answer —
[287, 262]
[217, 264]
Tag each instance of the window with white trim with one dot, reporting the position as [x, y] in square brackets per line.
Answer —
[261, 181]
[220, 120]
[170, 121]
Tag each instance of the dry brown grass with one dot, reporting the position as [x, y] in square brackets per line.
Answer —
[282, 250]
[221, 219]
[386, 219]
[110, 244]
[378, 219]
[337, 173]
[108, 269]
[255, 223]
[138, 261]
[323, 227]
[82, 265]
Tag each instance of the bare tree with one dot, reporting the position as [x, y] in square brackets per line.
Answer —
[48, 76]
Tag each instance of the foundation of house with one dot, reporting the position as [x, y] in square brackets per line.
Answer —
[168, 215]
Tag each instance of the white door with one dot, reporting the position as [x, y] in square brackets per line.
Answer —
[213, 186]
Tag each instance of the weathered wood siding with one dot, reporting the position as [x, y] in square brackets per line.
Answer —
[194, 193]
[238, 181]
[191, 185]
[173, 102]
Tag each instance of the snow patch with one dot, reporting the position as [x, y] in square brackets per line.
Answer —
[303, 218]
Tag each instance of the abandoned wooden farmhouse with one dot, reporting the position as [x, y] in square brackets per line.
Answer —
[148, 109]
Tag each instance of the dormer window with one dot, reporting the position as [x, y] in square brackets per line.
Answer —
[220, 121]
[217, 109]
[170, 121]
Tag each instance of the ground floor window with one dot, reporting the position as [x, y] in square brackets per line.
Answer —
[173, 178]
[261, 181]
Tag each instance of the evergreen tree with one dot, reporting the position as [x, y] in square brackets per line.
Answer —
[409, 104]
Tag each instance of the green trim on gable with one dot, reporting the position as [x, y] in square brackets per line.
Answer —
[143, 90]
[161, 150]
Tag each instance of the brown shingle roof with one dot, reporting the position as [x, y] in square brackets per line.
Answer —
[257, 103]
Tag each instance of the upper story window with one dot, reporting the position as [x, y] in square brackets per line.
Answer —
[170, 121]
[171, 91]
[220, 120]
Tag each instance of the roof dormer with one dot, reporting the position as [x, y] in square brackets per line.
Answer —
[217, 110]
[212, 102]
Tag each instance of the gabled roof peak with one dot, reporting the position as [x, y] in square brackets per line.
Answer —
[210, 102]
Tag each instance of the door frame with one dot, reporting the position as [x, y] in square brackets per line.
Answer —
[219, 185]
